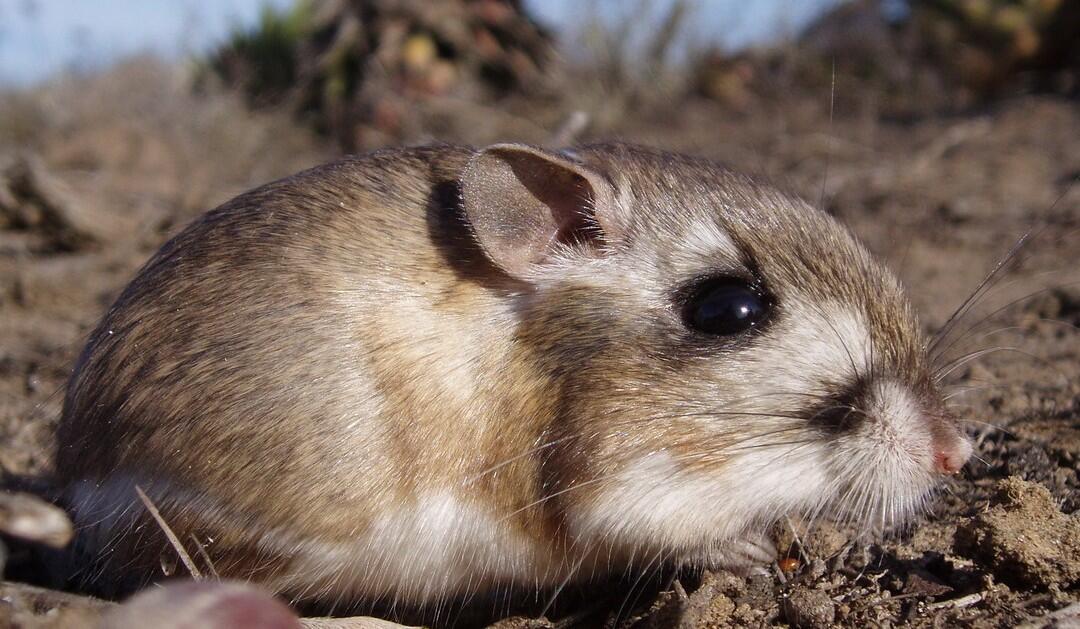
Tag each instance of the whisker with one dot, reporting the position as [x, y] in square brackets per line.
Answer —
[1015, 350]
[960, 361]
[935, 355]
[828, 148]
[971, 299]
[688, 415]
[569, 577]
[995, 331]
[843, 343]
[989, 425]
[506, 462]
[633, 587]
[1013, 251]
[538, 501]
[965, 390]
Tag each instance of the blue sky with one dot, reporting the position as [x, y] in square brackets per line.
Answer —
[41, 37]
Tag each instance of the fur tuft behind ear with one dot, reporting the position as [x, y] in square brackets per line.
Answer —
[520, 201]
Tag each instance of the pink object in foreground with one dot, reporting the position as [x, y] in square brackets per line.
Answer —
[202, 604]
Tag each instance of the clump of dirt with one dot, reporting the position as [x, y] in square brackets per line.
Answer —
[808, 609]
[1023, 539]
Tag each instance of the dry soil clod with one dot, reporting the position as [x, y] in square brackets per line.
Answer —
[807, 608]
[1023, 538]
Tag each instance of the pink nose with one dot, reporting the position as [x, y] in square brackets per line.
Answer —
[951, 456]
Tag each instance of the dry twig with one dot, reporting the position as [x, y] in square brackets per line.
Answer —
[173, 539]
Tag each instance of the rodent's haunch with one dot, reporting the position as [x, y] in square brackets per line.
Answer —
[425, 373]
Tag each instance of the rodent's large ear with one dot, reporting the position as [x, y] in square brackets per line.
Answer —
[521, 201]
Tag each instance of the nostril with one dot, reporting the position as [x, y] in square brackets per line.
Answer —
[945, 464]
[949, 460]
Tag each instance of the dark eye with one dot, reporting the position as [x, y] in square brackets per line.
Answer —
[725, 306]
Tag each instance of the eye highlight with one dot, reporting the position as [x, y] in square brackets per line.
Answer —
[725, 306]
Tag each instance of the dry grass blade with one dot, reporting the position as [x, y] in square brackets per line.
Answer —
[958, 603]
[173, 539]
[200, 550]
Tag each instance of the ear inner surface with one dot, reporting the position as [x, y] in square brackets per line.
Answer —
[521, 200]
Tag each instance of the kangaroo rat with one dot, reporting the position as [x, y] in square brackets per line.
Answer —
[424, 373]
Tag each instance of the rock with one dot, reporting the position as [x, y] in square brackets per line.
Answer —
[925, 584]
[825, 540]
[808, 608]
[719, 610]
[1024, 539]
[724, 582]
[711, 604]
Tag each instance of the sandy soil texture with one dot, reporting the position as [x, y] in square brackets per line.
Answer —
[91, 185]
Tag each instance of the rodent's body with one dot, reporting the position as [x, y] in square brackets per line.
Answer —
[355, 385]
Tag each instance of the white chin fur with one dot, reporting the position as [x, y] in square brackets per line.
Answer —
[655, 507]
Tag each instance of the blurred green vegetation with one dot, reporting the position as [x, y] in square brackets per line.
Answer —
[373, 72]
[356, 67]
[985, 43]
[264, 59]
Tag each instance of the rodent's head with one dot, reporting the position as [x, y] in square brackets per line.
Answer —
[725, 355]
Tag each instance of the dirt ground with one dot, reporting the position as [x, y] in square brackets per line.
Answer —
[96, 173]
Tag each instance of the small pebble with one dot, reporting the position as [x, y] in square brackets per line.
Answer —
[817, 569]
